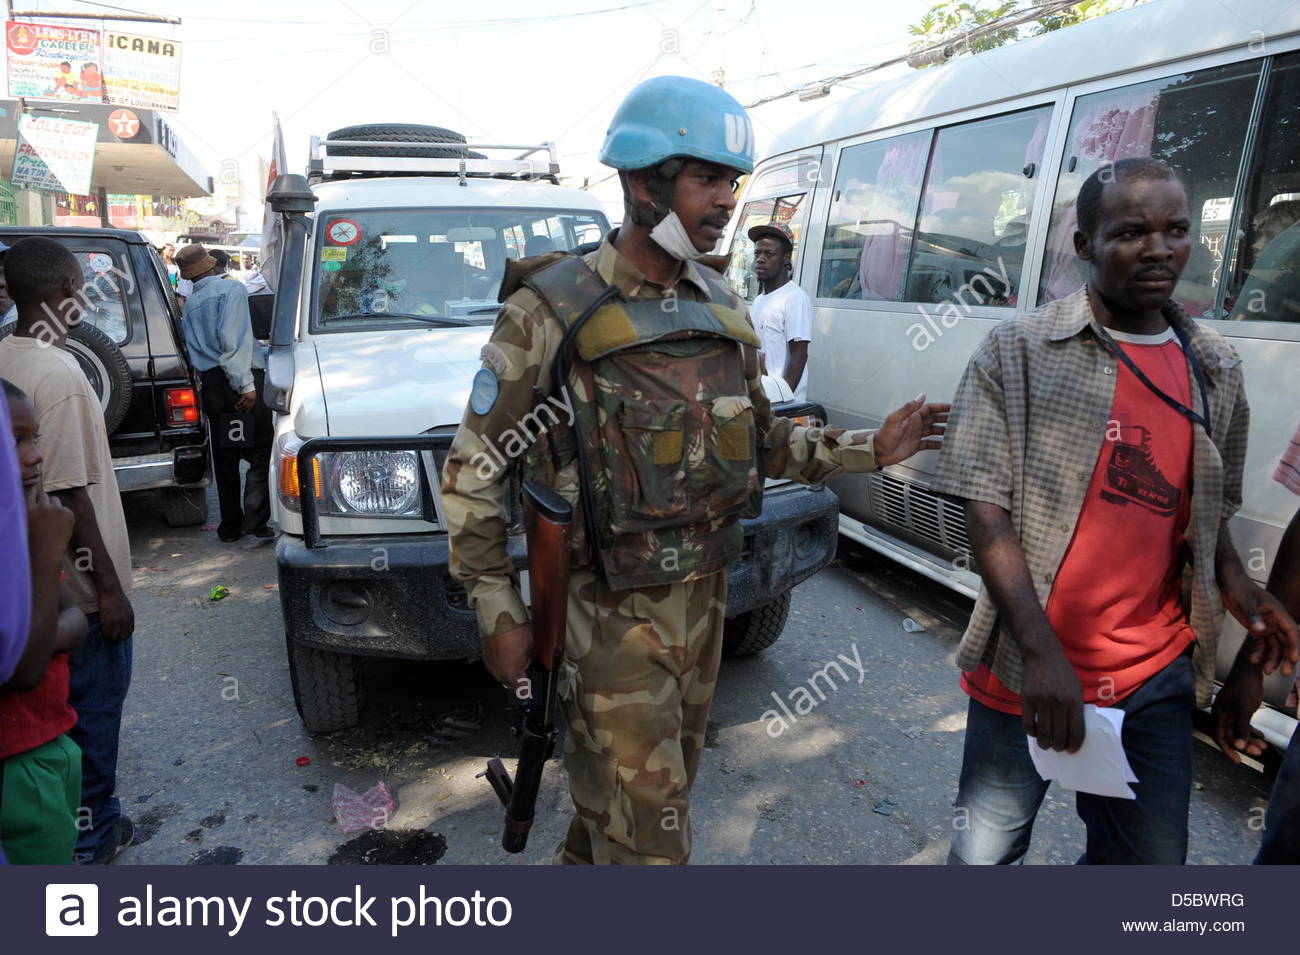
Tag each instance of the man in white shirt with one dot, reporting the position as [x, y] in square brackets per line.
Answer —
[253, 280]
[783, 311]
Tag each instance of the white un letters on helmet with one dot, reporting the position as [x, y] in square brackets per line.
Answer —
[739, 133]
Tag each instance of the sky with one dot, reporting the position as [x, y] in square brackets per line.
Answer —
[515, 72]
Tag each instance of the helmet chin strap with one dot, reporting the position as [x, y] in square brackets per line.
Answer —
[666, 229]
[662, 184]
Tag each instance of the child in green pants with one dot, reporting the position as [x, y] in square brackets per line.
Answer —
[40, 767]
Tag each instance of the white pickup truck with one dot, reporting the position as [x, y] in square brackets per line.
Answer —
[395, 246]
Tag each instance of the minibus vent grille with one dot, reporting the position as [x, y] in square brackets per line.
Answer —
[889, 499]
[954, 527]
[905, 505]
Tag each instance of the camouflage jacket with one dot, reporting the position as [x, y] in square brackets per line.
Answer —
[519, 358]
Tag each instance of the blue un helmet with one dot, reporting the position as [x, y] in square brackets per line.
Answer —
[669, 116]
[666, 119]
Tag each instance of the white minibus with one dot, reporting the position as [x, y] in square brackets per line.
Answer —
[928, 208]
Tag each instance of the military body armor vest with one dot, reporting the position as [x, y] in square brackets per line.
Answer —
[667, 443]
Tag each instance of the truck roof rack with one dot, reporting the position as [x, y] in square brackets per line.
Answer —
[526, 164]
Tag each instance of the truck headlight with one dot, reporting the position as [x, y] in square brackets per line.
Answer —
[383, 483]
[352, 483]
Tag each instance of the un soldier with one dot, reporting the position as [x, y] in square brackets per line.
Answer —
[648, 366]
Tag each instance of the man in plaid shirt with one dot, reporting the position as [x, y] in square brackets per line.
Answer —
[1098, 444]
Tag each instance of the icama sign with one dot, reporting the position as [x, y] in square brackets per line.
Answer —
[51, 61]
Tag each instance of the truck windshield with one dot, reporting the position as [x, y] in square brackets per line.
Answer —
[400, 268]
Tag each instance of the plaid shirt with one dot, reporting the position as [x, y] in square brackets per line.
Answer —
[1288, 469]
[1027, 425]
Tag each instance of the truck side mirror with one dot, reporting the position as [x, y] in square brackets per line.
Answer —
[291, 199]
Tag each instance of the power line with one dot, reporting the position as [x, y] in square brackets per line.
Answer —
[946, 47]
[451, 24]
[107, 6]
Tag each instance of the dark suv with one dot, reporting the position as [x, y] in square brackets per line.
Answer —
[130, 346]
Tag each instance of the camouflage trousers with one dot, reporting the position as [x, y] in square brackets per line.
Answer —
[640, 669]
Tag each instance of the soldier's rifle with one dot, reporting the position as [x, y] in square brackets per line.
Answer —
[548, 524]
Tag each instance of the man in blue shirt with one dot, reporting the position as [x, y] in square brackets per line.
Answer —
[219, 335]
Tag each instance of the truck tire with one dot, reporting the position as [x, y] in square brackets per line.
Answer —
[380, 133]
[105, 368]
[184, 506]
[326, 687]
[748, 633]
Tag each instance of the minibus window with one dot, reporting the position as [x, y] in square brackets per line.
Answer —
[873, 211]
[1196, 122]
[1266, 285]
[790, 210]
[979, 190]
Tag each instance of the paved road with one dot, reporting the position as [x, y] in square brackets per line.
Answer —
[211, 741]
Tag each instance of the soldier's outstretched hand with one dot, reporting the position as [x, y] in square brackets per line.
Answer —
[910, 429]
[508, 654]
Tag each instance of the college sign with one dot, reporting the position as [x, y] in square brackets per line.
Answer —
[55, 155]
[142, 71]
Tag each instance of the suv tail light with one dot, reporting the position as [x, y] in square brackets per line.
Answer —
[182, 406]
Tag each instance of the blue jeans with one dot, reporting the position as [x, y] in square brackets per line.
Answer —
[1281, 842]
[100, 674]
[1000, 791]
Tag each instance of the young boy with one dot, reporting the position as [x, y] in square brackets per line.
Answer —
[45, 281]
[40, 767]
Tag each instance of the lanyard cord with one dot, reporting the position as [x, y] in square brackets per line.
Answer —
[1202, 419]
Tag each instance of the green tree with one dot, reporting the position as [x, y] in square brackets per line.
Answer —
[950, 20]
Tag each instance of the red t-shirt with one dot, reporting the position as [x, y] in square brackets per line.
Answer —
[33, 718]
[1115, 601]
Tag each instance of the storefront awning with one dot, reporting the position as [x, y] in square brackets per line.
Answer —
[137, 150]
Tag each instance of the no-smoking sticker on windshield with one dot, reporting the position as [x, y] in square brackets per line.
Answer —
[344, 232]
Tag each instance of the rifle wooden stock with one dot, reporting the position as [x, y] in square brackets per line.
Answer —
[548, 523]
[548, 520]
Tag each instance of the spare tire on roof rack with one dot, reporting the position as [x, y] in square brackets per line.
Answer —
[380, 133]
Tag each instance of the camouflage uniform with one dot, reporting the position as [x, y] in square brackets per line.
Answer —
[641, 662]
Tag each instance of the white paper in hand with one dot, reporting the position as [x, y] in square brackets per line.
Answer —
[1100, 766]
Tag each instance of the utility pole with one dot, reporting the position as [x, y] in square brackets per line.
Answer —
[719, 31]
[130, 17]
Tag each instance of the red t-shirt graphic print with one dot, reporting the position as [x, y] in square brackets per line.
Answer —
[1115, 600]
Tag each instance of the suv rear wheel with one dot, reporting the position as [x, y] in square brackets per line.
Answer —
[748, 633]
[105, 367]
[326, 687]
[183, 506]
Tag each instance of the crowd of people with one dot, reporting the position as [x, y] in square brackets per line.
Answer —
[66, 619]
[242, 266]
[66, 584]
[1097, 444]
